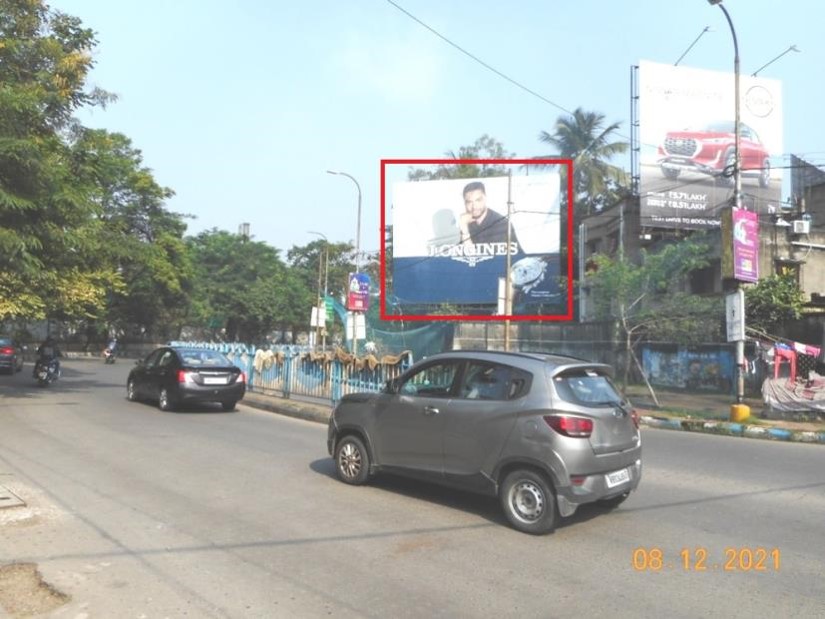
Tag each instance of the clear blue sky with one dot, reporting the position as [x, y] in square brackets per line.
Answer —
[240, 108]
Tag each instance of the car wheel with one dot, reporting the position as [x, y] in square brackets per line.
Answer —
[670, 173]
[528, 502]
[614, 502]
[730, 168]
[131, 394]
[765, 175]
[352, 462]
[165, 401]
[228, 406]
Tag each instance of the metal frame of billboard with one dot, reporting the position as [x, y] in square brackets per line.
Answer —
[567, 316]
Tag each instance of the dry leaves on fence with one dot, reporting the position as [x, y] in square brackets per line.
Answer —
[264, 359]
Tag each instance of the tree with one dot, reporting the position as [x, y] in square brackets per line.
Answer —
[646, 299]
[137, 237]
[484, 147]
[47, 227]
[772, 302]
[584, 138]
[243, 290]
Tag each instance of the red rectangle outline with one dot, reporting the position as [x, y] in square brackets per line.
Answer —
[515, 317]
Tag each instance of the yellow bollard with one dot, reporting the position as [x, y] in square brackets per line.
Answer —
[739, 412]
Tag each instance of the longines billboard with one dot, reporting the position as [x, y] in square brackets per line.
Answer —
[687, 136]
[451, 239]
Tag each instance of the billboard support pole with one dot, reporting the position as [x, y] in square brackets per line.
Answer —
[508, 299]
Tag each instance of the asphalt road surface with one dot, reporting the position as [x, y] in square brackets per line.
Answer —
[132, 512]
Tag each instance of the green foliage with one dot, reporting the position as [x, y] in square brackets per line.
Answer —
[243, 290]
[646, 299]
[584, 138]
[484, 147]
[772, 302]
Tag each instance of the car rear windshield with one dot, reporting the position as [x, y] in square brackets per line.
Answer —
[195, 358]
[587, 387]
[4, 341]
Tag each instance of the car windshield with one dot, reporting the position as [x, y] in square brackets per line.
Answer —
[588, 387]
[204, 358]
[4, 341]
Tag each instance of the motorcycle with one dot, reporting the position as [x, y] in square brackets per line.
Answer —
[109, 355]
[46, 372]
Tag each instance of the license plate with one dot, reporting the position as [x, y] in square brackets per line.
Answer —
[211, 380]
[617, 477]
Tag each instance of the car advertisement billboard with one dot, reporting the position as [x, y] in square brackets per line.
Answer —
[687, 145]
[451, 240]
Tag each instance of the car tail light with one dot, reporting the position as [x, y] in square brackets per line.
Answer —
[575, 427]
[185, 377]
[241, 378]
[6, 351]
[578, 480]
[634, 414]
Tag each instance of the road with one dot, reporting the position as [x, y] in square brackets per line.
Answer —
[132, 512]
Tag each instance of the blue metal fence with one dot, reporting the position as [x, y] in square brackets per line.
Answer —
[290, 371]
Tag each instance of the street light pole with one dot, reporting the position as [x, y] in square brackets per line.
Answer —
[358, 222]
[326, 281]
[357, 253]
[739, 410]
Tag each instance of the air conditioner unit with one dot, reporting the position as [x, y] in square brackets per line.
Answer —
[802, 226]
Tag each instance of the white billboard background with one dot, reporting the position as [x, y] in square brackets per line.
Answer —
[678, 98]
[425, 213]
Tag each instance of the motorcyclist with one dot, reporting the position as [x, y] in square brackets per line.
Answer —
[109, 351]
[48, 352]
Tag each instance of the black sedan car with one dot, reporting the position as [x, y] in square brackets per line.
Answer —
[174, 376]
[11, 355]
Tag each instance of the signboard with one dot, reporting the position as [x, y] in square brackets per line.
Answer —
[735, 315]
[687, 144]
[451, 239]
[358, 296]
[740, 245]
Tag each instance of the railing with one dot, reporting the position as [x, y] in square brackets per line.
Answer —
[293, 372]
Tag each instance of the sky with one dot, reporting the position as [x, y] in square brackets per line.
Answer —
[241, 108]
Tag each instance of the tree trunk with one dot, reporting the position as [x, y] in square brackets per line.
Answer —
[644, 378]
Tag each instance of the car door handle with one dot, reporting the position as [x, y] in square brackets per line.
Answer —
[431, 410]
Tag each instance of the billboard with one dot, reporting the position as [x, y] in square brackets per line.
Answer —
[358, 294]
[687, 144]
[452, 238]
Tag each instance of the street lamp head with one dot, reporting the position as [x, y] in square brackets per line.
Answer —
[712, 2]
[333, 172]
[794, 48]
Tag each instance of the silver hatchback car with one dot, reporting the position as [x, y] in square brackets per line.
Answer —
[544, 433]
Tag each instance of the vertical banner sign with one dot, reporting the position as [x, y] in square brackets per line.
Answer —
[735, 315]
[358, 298]
[745, 246]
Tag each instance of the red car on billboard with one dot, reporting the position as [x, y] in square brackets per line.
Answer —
[711, 150]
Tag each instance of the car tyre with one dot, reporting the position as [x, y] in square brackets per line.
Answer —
[615, 501]
[228, 406]
[765, 175]
[670, 173]
[131, 394]
[352, 462]
[165, 401]
[730, 167]
[529, 502]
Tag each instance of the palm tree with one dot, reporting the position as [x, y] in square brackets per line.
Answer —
[583, 138]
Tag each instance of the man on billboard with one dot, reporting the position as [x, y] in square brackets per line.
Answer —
[480, 224]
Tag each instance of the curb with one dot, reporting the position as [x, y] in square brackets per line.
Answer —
[725, 428]
[318, 413]
[291, 408]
